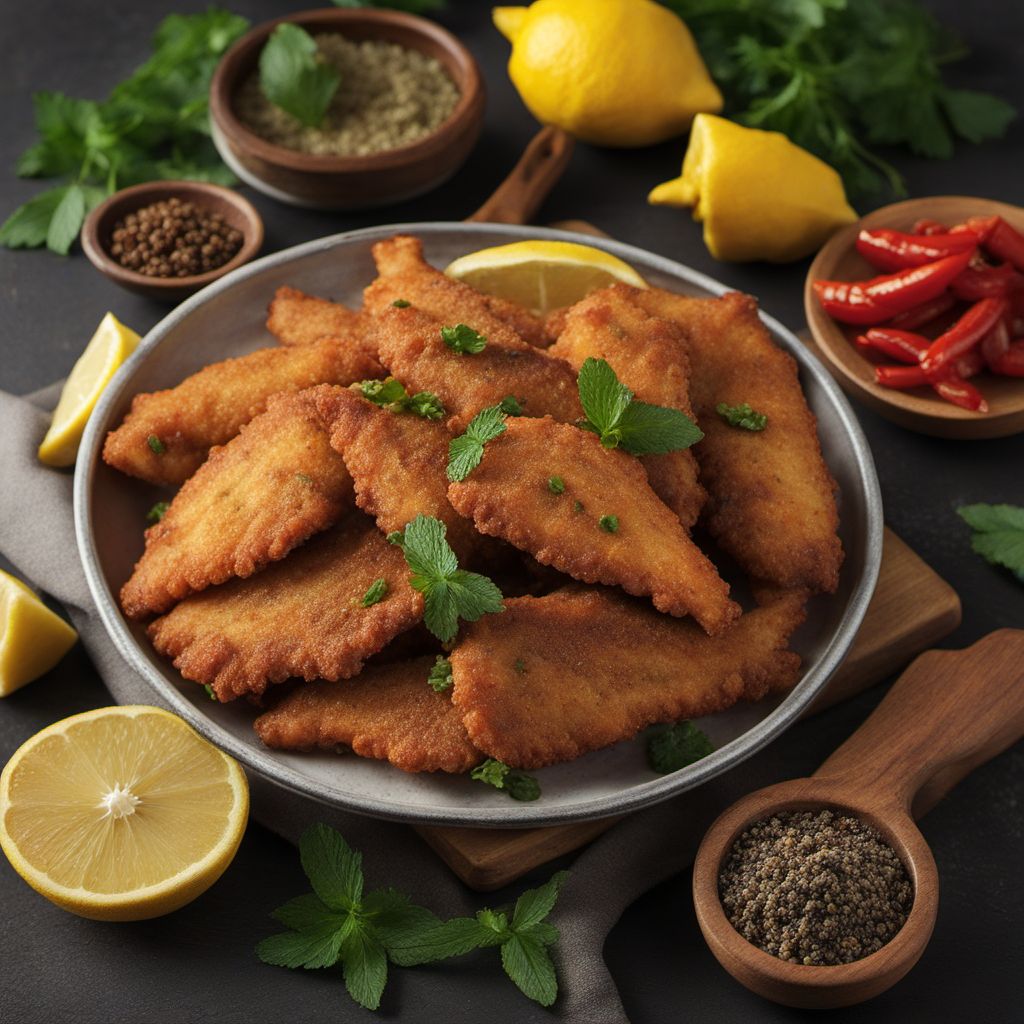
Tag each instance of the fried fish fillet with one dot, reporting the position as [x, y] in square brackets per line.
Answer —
[397, 461]
[410, 345]
[405, 275]
[555, 677]
[649, 356]
[295, 318]
[167, 435]
[389, 712]
[253, 500]
[772, 500]
[648, 552]
[301, 616]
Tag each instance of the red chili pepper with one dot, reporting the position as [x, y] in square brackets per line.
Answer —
[980, 226]
[925, 313]
[900, 377]
[1011, 362]
[902, 345]
[881, 298]
[996, 342]
[1004, 241]
[953, 389]
[894, 250]
[970, 365]
[927, 226]
[960, 392]
[984, 281]
[963, 335]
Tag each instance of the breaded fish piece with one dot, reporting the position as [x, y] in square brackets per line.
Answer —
[405, 275]
[167, 435]
[253, 500]
[398, 462]
[295, 318]
[648, 552]
[649, 356]
[772, 499]
[555, 677]
[389, 712]
[298, 617]
[411, 347]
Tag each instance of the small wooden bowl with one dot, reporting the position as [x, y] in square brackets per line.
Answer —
[920, 409]
[239, 213]
[334, 182]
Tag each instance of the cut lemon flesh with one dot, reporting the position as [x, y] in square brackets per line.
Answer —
[32, 638]
[122, 813]
[109, 347]
[542, 275]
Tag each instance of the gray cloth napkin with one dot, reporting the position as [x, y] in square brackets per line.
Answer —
[36, 529]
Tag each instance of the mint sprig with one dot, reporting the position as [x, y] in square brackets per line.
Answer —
[391, 394]
[998, 534]
[293, 79]
[466, 450]
[619, 420]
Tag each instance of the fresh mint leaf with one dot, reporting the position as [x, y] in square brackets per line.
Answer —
[317, 945]
[28, 226]
[517, 784]
[383, 392]
[742, 416]
[463, 340]
[529, 965]
[676, 747]
[603, 398]
[510, 406]
[998, 534]
[427, 552]
[375, 593]
[293, 79]
[466, 451]
[364, 965]
[306, 912]
[535, 904]
[333, 868]
[452, 938]
[440, 677]
[395, 919]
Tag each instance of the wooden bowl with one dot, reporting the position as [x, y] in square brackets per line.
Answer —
[239, 213]
[335, 182]
[920, 409]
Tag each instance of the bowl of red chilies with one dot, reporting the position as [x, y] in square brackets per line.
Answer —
[919, 308]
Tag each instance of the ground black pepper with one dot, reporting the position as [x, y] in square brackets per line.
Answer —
[815, 887]
[173, 238]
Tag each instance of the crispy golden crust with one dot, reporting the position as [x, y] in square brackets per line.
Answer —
[772, 499]
[397, 461]
[411, 347]
[404, 274]
[298, 617]
[649, 356]
[557, 676]
[389, 713]
[295, 318]
[508, 496]
[210, 407]
[252, 501]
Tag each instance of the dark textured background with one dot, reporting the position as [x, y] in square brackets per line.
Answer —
[197, 964]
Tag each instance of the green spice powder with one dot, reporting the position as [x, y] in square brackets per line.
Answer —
[815, 887]
[389, 96]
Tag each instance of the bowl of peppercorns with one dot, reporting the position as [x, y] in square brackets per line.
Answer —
[168, 239]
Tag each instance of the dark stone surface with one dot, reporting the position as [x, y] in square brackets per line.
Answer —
[197, 965]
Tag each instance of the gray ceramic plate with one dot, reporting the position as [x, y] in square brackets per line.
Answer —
[227, 319]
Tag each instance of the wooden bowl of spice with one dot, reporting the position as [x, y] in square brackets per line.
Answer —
[168, 239]
[405, 111]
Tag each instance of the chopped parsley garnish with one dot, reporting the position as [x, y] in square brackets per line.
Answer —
[516, 783]
[390, 394]
[520, 666]
[463, 340]
[742, 416]
[621, 421]
[156, 445]
[676, 747]
[396, 537]
[510, 406]
[449, 593]
[466, 451]
[556, 485]
[577, 505]
[157, 512]
[998, 534]
[440, 677]
[610, 524]
[401, 303]
[209, 691]
[375, 593]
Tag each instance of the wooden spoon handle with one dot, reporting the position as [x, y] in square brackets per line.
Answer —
[519, 196]
[949, 712]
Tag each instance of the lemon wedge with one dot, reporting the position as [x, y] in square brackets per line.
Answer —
[122, 813]
[32, 638]
[109, 347]
[542, 275]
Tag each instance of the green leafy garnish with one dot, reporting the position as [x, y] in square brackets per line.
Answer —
[449, 593]
[157, 512]
[156, 445]
[510, 406]
[375, 593]
[676, 747]
[440, 677]
[293, 79]
[463, 339]
[621, 421]
[209, 691]
[998, 534]
[556, 485]
[466, 451]
[391, 394]
[577, 505]
[516, 783]
[401, 303]
[742, 416]
[520, 666]
[609, 523]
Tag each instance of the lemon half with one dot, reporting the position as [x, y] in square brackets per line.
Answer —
[542, 275]
[122, 813]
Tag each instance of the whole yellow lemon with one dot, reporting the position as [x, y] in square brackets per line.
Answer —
[611, 72]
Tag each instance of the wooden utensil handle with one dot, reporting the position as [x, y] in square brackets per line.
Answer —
[519, 196]
[949, 712]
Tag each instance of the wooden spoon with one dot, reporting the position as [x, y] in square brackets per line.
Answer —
[949, 712]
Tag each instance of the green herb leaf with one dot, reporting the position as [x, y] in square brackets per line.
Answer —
[395, 919]
[401, 303]
[510, 406]
[28, 226]
[209, 691]
[383, 392]
[391, 394]
[742, 416]
[535, 904]
[676, 747]
[440, 677]
[516, 783]
[157, 512]
[452, 938]
[463, 340]
[156, 446]
[608, 523]
[998, 534]
[556, 485]
[333, 868]
[318, 945]
[66, 221]
[293, 79]
[528, 964]
[977, 116]
[603, 398]
[375, 593]
[466, 451]
[365, 967]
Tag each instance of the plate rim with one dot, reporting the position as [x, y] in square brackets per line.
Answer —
[487, 815]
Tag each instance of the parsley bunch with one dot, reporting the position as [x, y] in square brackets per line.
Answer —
[998, 534]
[839, 76]
[392, 395]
